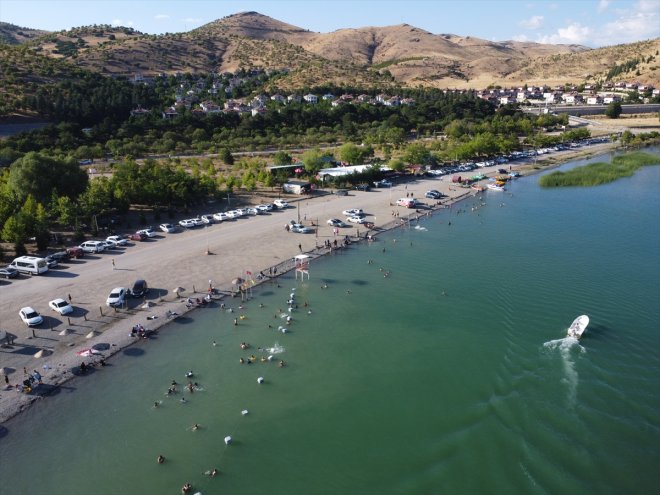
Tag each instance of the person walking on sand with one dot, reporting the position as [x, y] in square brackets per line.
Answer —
[113, 264]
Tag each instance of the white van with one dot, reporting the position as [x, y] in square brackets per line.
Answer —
[30, 264]
[92, 246]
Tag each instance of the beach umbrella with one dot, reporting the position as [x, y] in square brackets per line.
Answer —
[66, 331]
[237, 281]
[84, 353]
[41, 353]
[176, 290]
[91, 335]
[148, 305]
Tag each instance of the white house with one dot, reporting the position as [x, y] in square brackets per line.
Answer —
[310, 98]
[278, 98]
[294, 98]
[594, 100]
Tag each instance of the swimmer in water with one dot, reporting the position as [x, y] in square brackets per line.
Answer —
[214, 473]
[183, 400]
[195, 427]
[156, 404]
[215, 343]
[160, 459]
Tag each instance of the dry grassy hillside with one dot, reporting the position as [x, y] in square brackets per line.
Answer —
[11, 34]
[369, 55]
[594, 65]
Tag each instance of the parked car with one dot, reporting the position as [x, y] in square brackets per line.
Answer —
[117, 297]
[167, 227]
[30, 317]
[75, 252]
[187, 223]
[407, 202]
[140, 288]
[109, 245]
[51, 262]
[265, 208]
[138, 236]
[149, 232]
[356, 219]
[335, 222]
[117, 239]
[61, 306]
[341, 192]
[252, 211]
[206, 219]
[433, 194]
[355, 212]
[362, 187]
[383, 183]
[299, 228]
[92, 247]
[8, 272]
[281, 204]
[220, 217]
[60, 256]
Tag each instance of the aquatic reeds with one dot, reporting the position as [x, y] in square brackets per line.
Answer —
[600, 172]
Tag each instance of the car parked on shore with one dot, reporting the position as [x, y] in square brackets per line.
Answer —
[281, 204]
[92, 246]
[140, 288]
[117, 297]
[149, 232]
[138, 236]
[354, 212]
[30, 317]
[220, 216]
[335, 222]
[75, 252]
[356, 219]
[187, 223]
[167, 227]
[8, 272]
[433, 194]
[61, 306]
[117, 239]
[383, 183]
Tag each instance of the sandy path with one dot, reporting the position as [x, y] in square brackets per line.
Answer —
[168, 261]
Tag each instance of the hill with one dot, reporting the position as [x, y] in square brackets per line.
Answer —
[11, 34]
[369, 56]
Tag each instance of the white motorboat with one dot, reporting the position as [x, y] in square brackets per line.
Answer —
[578, 326]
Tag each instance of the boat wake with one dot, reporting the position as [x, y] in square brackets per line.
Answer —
[567, 348]
[420, 228]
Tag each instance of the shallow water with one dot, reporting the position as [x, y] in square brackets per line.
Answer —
[452, 374]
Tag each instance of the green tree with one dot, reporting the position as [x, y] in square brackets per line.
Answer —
[417, 154]
[312, 160]
[397, 164]
[226, 156]
[613, 110]
[38, 175]
[349, 153]
[282, 158]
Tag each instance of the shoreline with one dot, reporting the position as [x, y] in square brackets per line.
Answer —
[113, 329]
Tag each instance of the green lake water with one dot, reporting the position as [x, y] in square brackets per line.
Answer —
[450, 375]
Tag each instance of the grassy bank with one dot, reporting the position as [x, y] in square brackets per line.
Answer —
[600, 172]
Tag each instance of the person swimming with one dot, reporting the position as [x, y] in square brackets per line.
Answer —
[183, 400]
[160, 459]
[195, 427]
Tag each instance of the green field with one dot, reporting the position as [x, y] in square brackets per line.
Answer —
[600, 172]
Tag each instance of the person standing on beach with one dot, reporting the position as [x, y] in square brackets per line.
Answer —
[113, 263]
[300, 247]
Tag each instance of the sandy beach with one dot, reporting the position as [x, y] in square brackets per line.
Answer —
[250, 244]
